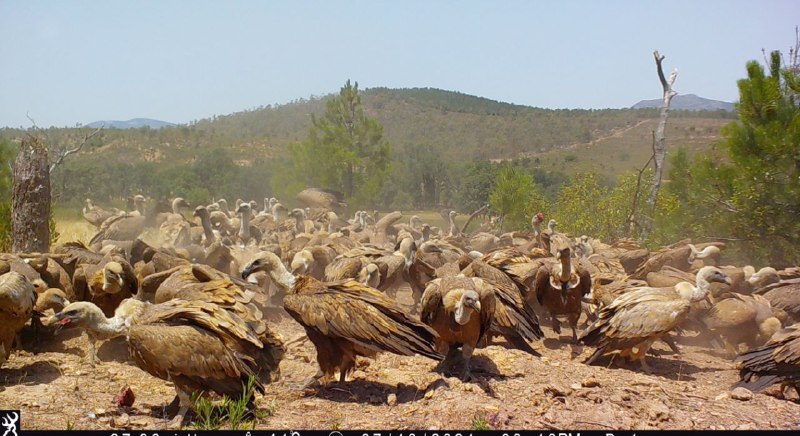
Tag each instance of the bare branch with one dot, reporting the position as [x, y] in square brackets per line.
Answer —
[64, 153]
[631, 221]
[471, 217]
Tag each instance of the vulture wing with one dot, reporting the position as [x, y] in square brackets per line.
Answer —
[776, 361]
[362, 315]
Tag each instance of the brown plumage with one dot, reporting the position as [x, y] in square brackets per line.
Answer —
[346, 319]
[668, 276]
[198, 345]
[321, 198]
[514, 319]
[785, 295]
[637, 318]
[461, 310]
[53, 274]
[17, 299]
[560, 286]
[778, 361]
[742, 319]
[96, 215]
[105, 284]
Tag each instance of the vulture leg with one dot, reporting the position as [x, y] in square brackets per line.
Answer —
[313, 382]
[556, 324]
[184, 402]
[92, 354]
[466, 351]
[645, 368]
[671, 343]
[443, 348]
[573, 323]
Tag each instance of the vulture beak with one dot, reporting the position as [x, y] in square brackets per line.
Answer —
[477, 306]
[60, 319]
[250, 268]
[728, 281]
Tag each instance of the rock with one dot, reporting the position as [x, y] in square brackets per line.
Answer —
[659, 412]
[576, 386]
[309, 405]
[468, 387]
[391, 400]
[742, 394]
[721, 396]
[748, 426]
[590, 382]
[140, 422]
[358, 374]
[556, 391]
[100, 412]
[428, 395]
[121, 421]
[91, 415]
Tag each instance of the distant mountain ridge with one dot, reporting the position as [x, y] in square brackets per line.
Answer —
[135, 123]
[689, 102]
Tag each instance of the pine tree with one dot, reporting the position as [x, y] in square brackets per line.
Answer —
[345, 150]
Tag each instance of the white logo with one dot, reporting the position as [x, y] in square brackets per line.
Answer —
[10, 423]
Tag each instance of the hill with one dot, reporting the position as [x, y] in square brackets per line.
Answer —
[689, 102]
[135, 123]
[427, 128]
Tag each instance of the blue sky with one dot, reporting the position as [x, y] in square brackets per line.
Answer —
[68, 62]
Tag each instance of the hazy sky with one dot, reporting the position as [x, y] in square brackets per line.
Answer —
[67, 62]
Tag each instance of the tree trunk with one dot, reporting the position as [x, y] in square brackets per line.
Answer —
[660, 148]
[30, 198]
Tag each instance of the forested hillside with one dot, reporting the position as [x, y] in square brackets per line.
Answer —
[233, 155]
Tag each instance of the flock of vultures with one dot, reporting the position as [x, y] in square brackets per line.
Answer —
[196, 303]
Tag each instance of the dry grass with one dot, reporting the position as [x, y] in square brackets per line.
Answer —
[74, 230]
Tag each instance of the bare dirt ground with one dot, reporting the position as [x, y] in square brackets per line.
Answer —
[57, 389]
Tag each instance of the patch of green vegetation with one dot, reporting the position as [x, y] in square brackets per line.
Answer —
[480, 422]
[230, 412]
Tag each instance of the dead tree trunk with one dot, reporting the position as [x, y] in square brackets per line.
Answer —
[660, 149]
[30, 198]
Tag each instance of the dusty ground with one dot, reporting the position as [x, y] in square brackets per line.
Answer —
[57, 389]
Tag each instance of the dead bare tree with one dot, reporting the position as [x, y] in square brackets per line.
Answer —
[632, 221]
[62, 152]
[30, 198]
[480, 210]
[660, 148]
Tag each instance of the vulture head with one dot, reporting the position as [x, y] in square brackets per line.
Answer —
[301, 262]
[243, 209]
[223, 204]
[139, 202]
[706, 275]
[81, 314]
[39, 286]
[710, 252]
[415, 221]
[468, 303]
[201, 212]
[764, 277]
[52, 298]
[369, 275]
[537, 220]
[271, 264]
[179, 204]
[551, 225]
[279, 212]
[406, 248]
[112, 278]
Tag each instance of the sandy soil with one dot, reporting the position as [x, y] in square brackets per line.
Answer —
[57, 389]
